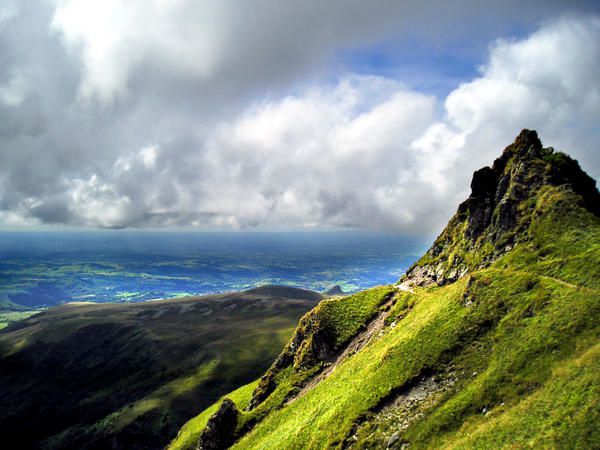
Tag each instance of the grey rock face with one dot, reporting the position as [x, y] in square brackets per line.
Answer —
[219, 433]
[311, 344]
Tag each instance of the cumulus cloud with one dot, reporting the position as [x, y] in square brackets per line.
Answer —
[114, 37]
[546, 82]
[211, 114]
[333, 155]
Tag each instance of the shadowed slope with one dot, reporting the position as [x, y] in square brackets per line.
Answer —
[129, 375]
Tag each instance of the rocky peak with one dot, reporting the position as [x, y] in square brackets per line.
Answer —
[335, 291]
[503, 186]
[497, 213]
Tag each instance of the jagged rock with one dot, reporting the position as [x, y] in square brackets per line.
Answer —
[335, 290]
[481, 202]
[498, 212]
[219, 433]
[311, 344]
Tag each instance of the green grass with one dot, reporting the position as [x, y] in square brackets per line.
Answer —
[345, 316]
[162, 397]
[544, 324]
[187, 438]
[321, 333]
[326, 413]
[8, 317]
[564, 241]
[535, 325]
[342, 317]
[563, 413]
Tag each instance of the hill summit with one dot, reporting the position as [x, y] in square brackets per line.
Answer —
[491, 340]
[499, 210]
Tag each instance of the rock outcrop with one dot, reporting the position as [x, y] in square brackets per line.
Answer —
[219, 433]
[311, 344]
[498, 212]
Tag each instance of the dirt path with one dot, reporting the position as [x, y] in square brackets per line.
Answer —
[356, 344]
[564, 283]
[556, 280]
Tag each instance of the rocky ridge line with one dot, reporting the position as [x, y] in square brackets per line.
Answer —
[497, 214]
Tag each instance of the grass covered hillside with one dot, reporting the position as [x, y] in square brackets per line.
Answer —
[490, 341]
[11, 312]
[127, 376]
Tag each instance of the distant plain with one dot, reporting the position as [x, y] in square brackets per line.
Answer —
[39, 269]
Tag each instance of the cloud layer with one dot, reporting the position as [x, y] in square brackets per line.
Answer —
[202, 114]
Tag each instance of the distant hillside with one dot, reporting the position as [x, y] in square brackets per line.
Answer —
[11, 312]
[491, 340]
[334, 291]
[127, 376]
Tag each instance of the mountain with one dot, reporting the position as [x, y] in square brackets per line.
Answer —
[334, 291]
[491, 340]
[127, 376]
[499, 210]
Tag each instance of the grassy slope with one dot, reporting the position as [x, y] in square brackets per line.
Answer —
[11, 312]
[10, 317]
[519, 340]
[187, 438]
[341, 316]
[135, 372]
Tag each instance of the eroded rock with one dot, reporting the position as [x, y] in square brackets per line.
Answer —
[219, 433]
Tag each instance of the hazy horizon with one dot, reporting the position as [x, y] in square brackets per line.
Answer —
[40, 269]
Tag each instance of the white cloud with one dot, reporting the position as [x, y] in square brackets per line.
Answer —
[8, 12]
[336, 157]
[14, 91]
[148, 156]
[364, 151]
[319, 158]
[98, 203]
[235, 45]
[144, 159]
[115, 37]
[546, 82]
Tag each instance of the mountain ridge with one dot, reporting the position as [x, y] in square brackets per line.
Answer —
[489, 340]
[497, 213]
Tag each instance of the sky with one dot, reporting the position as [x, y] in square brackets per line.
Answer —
[271, 114]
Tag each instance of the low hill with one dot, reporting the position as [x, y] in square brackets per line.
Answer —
[127, 376]
[491, 340]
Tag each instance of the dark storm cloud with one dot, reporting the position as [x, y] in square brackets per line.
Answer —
[232, 114]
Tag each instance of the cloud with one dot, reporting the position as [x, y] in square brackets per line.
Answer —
[216, 114]
[114, 38]
[372, 153]
[545, 82]
[332, 156]
[239, 45]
